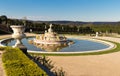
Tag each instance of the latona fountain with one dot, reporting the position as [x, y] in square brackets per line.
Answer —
[51, 37]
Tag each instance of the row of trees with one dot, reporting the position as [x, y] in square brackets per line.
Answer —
[40, 27]
[110, 28]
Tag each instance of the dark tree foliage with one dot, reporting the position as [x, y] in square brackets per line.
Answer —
[3, 19]
[64, 27]
[0, 21]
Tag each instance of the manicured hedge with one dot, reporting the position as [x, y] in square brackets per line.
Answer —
[16, 63]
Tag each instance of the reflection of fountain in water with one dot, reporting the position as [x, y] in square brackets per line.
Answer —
[51, 47]
[6, 42]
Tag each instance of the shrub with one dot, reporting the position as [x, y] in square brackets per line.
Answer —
[2, 48]
[16, 63]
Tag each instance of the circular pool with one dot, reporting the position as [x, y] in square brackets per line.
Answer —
[80, 45]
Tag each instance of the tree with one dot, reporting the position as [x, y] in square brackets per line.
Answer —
[3, 19]
[0, 21]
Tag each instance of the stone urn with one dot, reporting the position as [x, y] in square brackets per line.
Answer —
[18, 34]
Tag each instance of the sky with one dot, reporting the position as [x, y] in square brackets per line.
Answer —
[72, 10]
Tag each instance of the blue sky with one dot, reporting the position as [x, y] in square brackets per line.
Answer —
[73, 10]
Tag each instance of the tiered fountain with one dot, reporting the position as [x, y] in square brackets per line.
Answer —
[50, 37]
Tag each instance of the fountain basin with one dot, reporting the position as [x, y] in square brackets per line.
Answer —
[80, 46]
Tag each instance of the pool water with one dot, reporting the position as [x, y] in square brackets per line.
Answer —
[78, 46]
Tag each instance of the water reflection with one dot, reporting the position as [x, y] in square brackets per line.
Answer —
[51, 47]
[7, 42]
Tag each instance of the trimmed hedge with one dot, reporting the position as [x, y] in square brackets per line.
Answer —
[18, 64]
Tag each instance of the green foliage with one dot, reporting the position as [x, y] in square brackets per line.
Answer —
[18, 64]
[2, 48]
[110, 28]
[63, 27]
[3, 19]
[0, 21]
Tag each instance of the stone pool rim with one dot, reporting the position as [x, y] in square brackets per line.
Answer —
[111, 46]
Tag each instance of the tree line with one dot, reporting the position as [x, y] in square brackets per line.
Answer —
[40, 27]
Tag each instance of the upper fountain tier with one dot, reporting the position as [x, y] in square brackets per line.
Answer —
[50, 29]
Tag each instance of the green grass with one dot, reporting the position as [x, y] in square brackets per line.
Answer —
[84, 54]
[16, 63]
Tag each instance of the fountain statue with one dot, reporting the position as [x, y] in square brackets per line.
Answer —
[18, 34]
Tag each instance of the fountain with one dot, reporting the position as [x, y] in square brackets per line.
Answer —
[51, 37]
[18, 34]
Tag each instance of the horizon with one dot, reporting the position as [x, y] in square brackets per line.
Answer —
[62, 10]
[62, 20]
